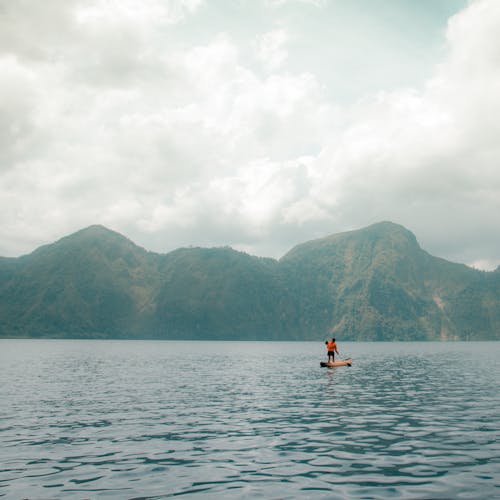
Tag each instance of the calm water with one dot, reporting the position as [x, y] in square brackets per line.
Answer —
[88, 419]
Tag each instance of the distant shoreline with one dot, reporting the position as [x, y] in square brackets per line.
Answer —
[108, 339]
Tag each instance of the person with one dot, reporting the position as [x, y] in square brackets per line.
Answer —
[331, 347]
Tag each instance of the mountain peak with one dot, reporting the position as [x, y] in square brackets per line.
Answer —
[387, 229]
[95, 230]
[385, 234]
[385, 225]
[95, 236]
[95, 227]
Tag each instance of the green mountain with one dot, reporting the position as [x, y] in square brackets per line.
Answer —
[378, 284]
[92, 283]
[372, 284]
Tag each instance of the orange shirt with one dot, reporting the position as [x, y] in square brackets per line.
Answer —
[332, 346]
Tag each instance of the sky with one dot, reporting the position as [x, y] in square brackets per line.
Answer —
[256, 124]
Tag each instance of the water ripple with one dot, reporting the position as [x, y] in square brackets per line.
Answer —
[153, 420]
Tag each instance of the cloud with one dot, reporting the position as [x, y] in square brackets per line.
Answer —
[280, 3]
[269, 48]
[29, 29]
[17, 111]
[145, 139]
[426, 157]
[212, 140]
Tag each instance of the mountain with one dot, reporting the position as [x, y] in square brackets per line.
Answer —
[92, 283]
[222, 293]
[378, 284]
[375, 283]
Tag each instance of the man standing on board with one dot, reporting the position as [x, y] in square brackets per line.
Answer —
[331, 347]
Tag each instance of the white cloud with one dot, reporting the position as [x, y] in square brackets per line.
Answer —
[280, 3]
[18, 89]
[123, 144]
[112, 119]
[270, 48]
[30, 29]
[411, 154]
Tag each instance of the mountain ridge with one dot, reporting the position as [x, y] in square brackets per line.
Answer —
[374, 283]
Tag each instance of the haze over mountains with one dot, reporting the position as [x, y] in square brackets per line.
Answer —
[371, 284]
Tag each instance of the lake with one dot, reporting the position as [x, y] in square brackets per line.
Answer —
[146, 419]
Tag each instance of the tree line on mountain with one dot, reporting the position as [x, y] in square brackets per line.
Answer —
[375, 283]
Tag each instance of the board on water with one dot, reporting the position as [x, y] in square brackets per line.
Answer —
[344, 362]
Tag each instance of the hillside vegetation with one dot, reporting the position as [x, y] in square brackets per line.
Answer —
[372, 284]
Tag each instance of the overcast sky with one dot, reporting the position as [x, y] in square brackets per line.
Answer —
[257, 124]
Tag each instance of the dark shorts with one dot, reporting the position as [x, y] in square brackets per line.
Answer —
[331, 353]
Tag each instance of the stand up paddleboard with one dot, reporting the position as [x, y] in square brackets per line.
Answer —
[344, 362]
